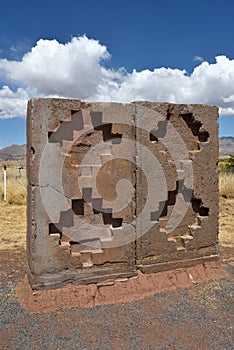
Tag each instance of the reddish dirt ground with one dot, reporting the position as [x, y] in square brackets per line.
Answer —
[182, 315]
[117, 291]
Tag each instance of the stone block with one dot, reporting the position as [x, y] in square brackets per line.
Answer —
[116, 188]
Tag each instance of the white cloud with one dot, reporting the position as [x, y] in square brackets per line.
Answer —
[70, 70]
[228, 99]
[14, 48]
[13, 104]
[76, 70]
[198, 59]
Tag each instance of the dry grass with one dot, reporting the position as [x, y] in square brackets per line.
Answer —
[226, 185]
[12, 226]
[226, 222]
[226, 230]
[16, 186]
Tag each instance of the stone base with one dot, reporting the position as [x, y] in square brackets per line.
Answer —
[116, 290]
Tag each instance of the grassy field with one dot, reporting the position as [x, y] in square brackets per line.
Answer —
[12, 226]
[16, 185]
[226, 185]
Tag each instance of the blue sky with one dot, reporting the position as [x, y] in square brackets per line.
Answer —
[158, 44]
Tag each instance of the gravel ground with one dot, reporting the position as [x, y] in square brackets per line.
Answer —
[198, 318]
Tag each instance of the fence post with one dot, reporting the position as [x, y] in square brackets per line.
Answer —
[5, 183]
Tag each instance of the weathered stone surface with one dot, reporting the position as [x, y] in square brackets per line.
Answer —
[116, 188]
[195, 237]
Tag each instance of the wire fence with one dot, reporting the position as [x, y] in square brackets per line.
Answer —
[20, 179]
[24, 168]
[10, 167]
[13, 167]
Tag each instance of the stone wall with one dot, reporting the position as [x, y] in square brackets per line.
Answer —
[117, 188]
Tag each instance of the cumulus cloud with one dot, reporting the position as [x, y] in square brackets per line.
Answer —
[72, 69]
[13, 104]
[77, 70]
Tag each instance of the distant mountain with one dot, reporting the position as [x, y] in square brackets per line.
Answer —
[18, 152]
[226, 146]
[13, 153]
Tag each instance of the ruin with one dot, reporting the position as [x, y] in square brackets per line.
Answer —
[115, 188]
